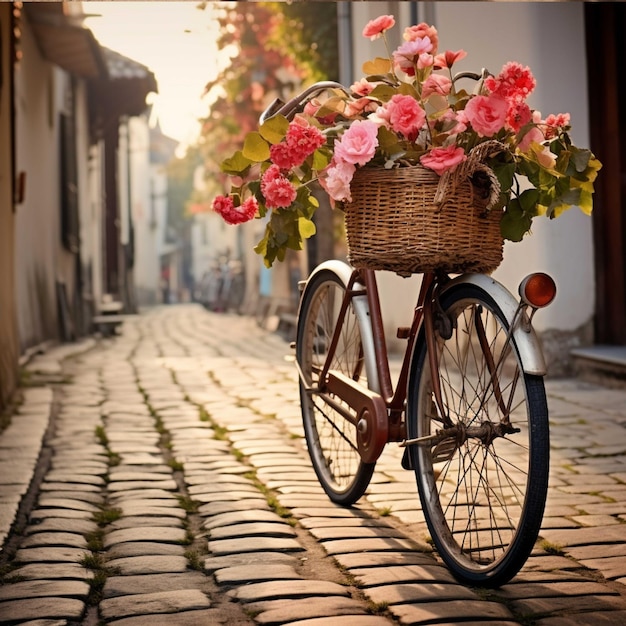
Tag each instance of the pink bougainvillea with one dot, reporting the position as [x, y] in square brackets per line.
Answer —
[231, 214]
[277, 189]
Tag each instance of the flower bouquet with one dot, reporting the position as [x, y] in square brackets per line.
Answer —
[407, 140]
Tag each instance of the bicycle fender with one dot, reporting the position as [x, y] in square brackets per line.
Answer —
[361, 308]
[526, 339]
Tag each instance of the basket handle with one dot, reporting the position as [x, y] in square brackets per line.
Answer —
[449, 181]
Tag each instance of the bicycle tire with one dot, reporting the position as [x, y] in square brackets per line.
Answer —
[483, 500]
[331, 439]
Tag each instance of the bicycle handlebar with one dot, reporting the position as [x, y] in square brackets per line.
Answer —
[289, 108]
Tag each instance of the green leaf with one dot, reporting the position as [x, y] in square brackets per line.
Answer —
[236, 164]
[333, 105]
[528, 202]
[406, 89]
[383, 92]
[255, 147]
[545, 179]
[377, 66]
[320, 160]
[505, 173]
[388, 141]
[580, 158]
[514, 223]
[274, 129]
[261, 247]
[306, 227]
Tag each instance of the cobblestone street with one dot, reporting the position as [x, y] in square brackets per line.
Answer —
[161, 477]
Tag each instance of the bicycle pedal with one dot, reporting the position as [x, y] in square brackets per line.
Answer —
[444, 450]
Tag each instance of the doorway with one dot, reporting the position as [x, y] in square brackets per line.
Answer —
[606, 63]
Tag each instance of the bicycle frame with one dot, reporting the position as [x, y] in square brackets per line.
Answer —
[379, 414]
[388, 405]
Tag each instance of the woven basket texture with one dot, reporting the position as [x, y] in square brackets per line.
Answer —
[393, 223]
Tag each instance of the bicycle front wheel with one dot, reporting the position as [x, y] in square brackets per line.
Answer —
[483, 483]
[330, 437]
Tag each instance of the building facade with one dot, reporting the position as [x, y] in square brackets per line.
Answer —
[66, 235]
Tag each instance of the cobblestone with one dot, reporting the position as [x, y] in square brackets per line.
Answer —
[178, 490]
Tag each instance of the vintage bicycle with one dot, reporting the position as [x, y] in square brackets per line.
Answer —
[469, 406]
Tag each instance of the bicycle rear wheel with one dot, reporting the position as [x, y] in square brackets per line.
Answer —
[482, 487]
[331, 438]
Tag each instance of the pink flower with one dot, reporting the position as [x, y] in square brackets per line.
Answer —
[514, 82]
[362, 105]
[560, 120]
[405, 115]
[486, 114]
[375, 28]
[441, 160]
[532, 135]
[281, 155]
[362, 87]
[438, 84]
[420, 31]
[554, 122]
[358, 144]
[425, 60]
[518, 115]
[277, 189]
[224, 206]
[250, 207]
[449, 58]
[301, 141]
[407, 55]
[336, 180]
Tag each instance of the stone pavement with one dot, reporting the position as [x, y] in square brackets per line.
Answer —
[160, 477]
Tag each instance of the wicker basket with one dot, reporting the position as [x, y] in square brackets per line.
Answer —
[410, 220]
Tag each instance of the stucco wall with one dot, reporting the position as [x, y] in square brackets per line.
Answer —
[37, 218]
[41, 91]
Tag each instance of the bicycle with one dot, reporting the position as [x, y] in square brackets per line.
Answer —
[469, 406]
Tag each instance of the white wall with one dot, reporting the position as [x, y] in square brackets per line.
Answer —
[549, 38]
[148, 185]
[41, 92]
[91, 226]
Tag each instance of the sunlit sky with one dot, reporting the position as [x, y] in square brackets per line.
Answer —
[176, 41]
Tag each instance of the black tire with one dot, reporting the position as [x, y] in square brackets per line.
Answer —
[483, 500]
[331, 439]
